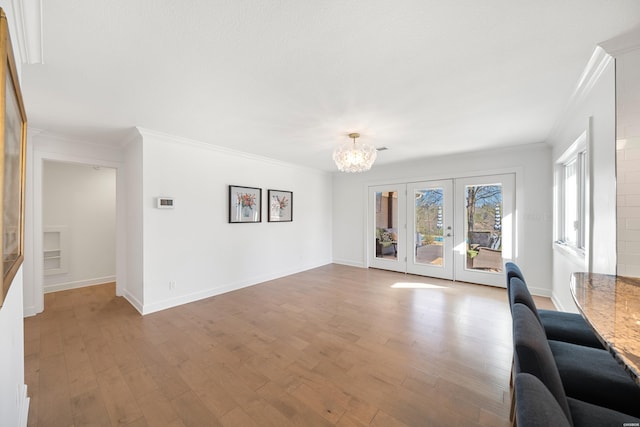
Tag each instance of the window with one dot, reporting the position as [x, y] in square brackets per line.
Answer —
[572, 180]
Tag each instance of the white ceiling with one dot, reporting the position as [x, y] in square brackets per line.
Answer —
[289, 79]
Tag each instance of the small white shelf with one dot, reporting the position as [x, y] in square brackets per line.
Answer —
[55, 250]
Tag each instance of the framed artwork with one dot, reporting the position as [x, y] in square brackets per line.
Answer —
[280, 206]
[13, 137]
[244, 204]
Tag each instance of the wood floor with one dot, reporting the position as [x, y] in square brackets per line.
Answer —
[335, 345]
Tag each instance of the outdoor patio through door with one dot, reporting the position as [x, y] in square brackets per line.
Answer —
[457, 229]
[431, 223]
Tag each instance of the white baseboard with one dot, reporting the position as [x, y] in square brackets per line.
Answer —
[540, 292]
[78, 284]
[350, 263]
[133, 301]
[559, 305]
[208, 293]
[196, 296]
[29, 311]
[23, 406]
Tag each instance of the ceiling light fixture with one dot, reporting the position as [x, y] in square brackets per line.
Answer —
[356, 157]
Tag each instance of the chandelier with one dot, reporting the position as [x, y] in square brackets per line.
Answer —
[356, 157]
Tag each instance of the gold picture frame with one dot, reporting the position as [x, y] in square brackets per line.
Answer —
[13, 139]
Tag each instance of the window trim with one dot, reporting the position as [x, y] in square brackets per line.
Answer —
[578, 152]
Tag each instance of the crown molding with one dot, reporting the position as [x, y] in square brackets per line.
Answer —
[27, 21]
[598, 63]
[153, 134]
[133, 135]
[623, 43]
[596, 66]
[602, 56]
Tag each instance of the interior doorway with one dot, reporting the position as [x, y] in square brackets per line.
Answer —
[455, 229]
[78, 225]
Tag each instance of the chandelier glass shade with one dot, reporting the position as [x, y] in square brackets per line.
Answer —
[355, 156]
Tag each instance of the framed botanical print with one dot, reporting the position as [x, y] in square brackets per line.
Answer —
[244, 204]
[280, 206]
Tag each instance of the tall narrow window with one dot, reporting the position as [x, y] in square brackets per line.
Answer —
[572, 204]
[571, 220]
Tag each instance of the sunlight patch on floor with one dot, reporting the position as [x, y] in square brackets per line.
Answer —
[408, 285]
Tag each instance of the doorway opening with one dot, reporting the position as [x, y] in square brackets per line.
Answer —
[78, 225]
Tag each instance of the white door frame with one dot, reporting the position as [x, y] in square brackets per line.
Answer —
[518, 199]
[35, 269]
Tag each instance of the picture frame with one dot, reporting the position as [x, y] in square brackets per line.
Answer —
[13, 137]
[245, 204]
[280, 206]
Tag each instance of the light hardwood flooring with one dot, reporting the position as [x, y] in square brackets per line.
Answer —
[334, 345]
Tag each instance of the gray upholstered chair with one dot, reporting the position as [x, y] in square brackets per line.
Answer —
[533, 355]
[579, 364]
[593, 375]
[511, 269]
[558, 325]
[535, 405]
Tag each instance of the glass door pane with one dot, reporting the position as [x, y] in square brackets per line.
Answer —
[387, 219]
[485, 216]
[428, 225]
[386, 232]
[431, 219]
[483, 227]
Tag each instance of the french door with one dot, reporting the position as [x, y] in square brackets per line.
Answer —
[430, 221]
[456, 229]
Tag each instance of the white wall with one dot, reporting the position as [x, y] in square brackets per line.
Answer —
[133, 244]
[594, 99]
[14, 403]
[531, 163]
[81, 200]
[628, 207]
[193, 244]
[628, 161]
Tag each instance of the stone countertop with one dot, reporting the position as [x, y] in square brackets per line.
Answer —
[611, 305]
